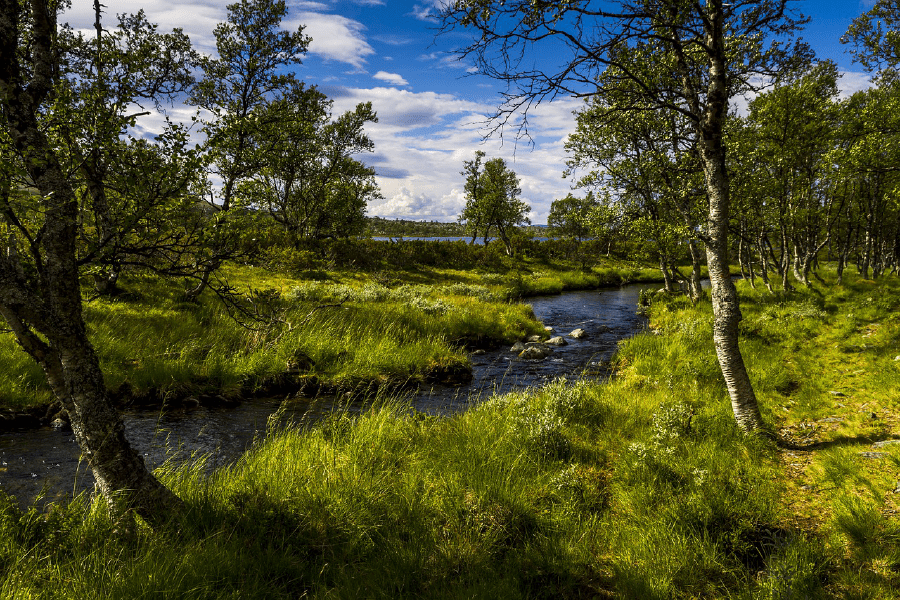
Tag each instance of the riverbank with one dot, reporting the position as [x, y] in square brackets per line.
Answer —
[322, 332]
[638, 488]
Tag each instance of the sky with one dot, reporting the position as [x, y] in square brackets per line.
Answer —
[431, 106]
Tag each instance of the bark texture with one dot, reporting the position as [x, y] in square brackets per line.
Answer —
[726, 311]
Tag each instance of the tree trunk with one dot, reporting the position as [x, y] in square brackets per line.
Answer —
[726, 310]
[73, 372]
[48, 300]
[696, 287]
[667, 278]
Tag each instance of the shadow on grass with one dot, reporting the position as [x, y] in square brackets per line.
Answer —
[839, 441]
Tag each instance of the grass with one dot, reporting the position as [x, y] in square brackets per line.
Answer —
[329, 331]
[638, 488]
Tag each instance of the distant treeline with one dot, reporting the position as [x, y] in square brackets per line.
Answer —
[381, 227]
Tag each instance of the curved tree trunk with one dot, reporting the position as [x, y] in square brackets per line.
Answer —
[45, 298]
[73, 372]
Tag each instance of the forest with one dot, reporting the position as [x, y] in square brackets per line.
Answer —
[743, 444]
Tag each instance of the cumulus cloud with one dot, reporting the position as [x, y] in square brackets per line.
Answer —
[334, 37]
[852, 82]
[422, 139]
[392, 78]
[406, 204]
[401, 110]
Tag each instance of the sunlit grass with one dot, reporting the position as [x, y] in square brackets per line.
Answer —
[638, 488]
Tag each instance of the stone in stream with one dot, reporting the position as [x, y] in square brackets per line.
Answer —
[517, 347]
[557, 341]
[578, 334]
[535, 351]
[59, 424]
[535, 338]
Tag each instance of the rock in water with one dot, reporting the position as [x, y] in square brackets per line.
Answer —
[557, 341]
[578, 334]
[517, 347]
[535, 352]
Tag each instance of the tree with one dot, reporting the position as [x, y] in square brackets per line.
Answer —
[249, 73]
[866, 160]
[568, 217]
[311, 183]
[492, 200]
[792, 129]
[874, 38]
[648, 161]
[671, 55]
[40, 295]
[125, 184]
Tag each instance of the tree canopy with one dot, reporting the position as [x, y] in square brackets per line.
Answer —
[492, 200]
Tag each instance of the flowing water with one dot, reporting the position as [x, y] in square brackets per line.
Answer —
[45, 461]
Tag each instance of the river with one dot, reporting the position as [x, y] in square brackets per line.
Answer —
[45, 461]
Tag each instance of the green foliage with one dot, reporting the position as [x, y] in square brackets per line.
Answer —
[311, 184]
[492, 200]
[874, 38]
[570, 216]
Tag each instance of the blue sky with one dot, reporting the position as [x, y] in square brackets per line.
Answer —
[431, 107]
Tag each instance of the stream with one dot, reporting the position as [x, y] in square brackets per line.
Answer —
[42, 465]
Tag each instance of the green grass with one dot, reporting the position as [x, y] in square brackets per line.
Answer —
[413, 326]
[567, 492]
[638, 488]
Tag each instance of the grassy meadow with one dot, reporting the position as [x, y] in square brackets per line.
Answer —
[323, 331]
[638, 488]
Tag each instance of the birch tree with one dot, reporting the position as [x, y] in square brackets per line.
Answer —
[699, 56]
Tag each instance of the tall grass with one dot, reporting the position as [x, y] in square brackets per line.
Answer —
[641, 487]
[348, 335]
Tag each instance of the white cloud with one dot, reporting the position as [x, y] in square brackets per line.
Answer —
[852, 82]
[422, 139]
[423, 12]
[394, 40]
[310, 5]
[392, 78]
[334, 37]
